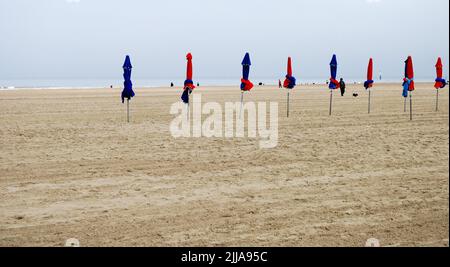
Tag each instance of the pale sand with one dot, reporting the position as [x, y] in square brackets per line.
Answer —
[71, 167]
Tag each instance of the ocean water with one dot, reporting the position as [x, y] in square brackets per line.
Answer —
[137, 82]
[159, 82]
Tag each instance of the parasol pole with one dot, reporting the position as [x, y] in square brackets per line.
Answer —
[410, 105]
[128, 110]
[437, 100]
[404, 105]
[188, 106]
[288, 103]
[369, 100]
[331, 99]
[242, 104]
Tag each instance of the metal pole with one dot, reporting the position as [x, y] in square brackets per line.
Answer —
[242, 104]
[128, 110]
[410, 105]
[288, 103]
[188, 105]
[404, 106]
[331, 99]
[369, 100]
[437, 100]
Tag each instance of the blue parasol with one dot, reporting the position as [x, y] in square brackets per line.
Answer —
[334, 84]
[127, 92]
[246, 85]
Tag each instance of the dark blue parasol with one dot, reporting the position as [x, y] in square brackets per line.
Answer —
[127, 92]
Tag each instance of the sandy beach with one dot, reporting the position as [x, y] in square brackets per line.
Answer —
[71, 167]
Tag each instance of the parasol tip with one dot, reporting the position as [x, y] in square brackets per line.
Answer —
[127, 63]
[246, 60]
[333, 60]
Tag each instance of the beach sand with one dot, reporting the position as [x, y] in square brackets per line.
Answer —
[71, 167]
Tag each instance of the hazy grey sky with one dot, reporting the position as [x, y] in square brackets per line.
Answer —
[90, 38]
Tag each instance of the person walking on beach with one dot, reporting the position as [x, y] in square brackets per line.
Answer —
[279, 84]
[342, 85]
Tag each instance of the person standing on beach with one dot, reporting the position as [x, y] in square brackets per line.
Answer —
[279, 84]
[342, 85]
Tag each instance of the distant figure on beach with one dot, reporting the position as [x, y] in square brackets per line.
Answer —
[171, 84]
[327, 82]
[261, 84]
[279, 84]
[111, 86]
[342, 85]
[198, 84]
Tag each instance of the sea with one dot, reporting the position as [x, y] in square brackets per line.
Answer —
[89, 83]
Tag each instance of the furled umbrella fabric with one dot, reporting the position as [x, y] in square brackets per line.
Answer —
[440, 82]
[334, 84]
[408, 81]
[289, 82]
[246, 84]
[369, 82]
[127, 92]
[188, 83]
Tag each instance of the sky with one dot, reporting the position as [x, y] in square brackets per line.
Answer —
[81, 39]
